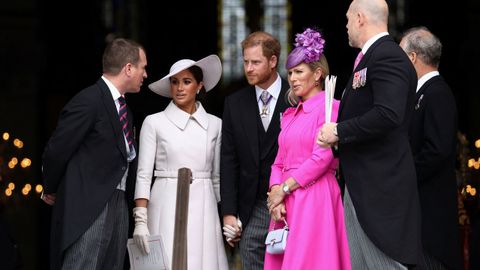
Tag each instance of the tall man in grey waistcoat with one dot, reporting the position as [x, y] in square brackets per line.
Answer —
[382, 210]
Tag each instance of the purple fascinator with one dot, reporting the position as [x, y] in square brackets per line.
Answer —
[312, 43]
[309, 47]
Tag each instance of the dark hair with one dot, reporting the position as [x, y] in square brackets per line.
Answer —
[198, 75]
[196, 72]
[118, 53]
[270, 45]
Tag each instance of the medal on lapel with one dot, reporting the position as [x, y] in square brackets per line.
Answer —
[359, 78]
[417, 106]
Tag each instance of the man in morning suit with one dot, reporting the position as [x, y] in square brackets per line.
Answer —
[433, 140]
[382, 211]
[251, 124]
[89, 166]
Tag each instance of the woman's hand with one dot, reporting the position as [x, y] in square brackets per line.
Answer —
[279, 212]
[141, 232]
[275, 197]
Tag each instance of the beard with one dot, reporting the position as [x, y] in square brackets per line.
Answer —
[258, 78]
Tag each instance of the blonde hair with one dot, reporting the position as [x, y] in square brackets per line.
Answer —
[321, 64]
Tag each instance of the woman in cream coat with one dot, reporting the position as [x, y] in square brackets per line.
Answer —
[183, 135]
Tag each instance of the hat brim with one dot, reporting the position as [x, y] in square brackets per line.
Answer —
[211, 68]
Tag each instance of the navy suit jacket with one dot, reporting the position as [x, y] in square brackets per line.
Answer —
[83, 163]
[376, 162]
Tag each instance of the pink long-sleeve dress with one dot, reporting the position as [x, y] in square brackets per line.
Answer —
[317, 238]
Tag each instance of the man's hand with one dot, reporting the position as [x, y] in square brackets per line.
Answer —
[48, 198]
[232, 229]
[326, 137]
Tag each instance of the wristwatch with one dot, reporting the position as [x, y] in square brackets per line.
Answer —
[335, 131]
[286, 188]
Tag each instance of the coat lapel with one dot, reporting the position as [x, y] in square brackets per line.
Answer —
[249, 121]
[419, 95]
[362, 64]
[109, 104]
[425, 86]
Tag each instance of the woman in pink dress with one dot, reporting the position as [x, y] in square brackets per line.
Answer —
[303, 187]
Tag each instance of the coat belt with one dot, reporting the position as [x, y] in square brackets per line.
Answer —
[174, 174]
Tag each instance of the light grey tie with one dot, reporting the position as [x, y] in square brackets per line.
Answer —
[265, 97]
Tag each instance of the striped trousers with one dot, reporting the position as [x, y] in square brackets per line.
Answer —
[364, 254]
[252, 242]
[432, 263]
[104, 244]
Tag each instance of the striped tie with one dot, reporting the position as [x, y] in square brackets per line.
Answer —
[122, 112]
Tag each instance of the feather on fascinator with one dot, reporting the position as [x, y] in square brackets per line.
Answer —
[309, 47]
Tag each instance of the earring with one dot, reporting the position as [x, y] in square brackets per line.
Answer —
[317, 83]
[198, 92]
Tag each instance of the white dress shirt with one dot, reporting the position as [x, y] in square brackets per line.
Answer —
[274, 91]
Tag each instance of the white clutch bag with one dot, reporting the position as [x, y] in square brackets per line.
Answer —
[276, 241]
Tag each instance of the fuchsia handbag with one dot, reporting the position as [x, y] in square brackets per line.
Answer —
[276, 241]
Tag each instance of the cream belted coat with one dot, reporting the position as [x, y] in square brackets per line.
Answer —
[170, 140]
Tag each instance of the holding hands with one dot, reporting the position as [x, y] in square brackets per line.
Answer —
[232, 229]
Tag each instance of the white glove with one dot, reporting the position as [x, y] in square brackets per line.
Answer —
[230, 232]
[141, 233]
[239, 223]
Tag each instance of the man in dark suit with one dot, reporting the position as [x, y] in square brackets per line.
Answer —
[89, 166]
[251, 124]
[433, 140]
[382, 211]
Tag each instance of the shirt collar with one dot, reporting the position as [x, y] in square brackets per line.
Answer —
[312, 103]
[113, 90]
[180, 118]
[274, 89]
[372, 40]
[425, 78]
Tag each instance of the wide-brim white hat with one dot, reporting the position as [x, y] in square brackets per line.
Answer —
[211, 67]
